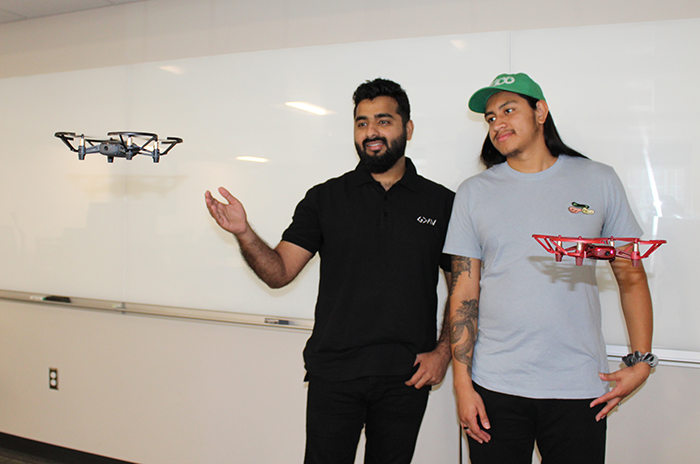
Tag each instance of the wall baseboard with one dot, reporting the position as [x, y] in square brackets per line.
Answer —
[53, 452]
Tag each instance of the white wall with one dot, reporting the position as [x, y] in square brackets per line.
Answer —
[171, 391]
[156, 30]
[152, 390]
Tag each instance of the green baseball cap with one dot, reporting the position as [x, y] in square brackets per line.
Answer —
[517, 83]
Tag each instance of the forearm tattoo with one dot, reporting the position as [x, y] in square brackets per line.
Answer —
[465, 323]
[464, 320]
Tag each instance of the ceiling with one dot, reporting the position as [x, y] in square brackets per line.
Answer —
[19, 10]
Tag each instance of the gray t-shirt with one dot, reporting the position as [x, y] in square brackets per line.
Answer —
[539, 321]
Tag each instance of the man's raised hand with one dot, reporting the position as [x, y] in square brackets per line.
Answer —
[230, 216]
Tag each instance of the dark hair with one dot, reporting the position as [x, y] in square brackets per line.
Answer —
[384, 88]
[491, 157]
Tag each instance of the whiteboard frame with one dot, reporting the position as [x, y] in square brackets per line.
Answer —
[666, 357]
[206, 315]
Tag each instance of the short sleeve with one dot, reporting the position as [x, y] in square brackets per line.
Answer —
[305, 229]
[461, 237]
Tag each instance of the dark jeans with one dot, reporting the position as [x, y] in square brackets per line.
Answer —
[390, 411]
[565, 430]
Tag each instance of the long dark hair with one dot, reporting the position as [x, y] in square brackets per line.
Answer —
[491, 157]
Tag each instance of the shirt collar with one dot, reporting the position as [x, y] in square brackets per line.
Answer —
[361, 176]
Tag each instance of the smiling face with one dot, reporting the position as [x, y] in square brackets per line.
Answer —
[515, 128]
[380, 133]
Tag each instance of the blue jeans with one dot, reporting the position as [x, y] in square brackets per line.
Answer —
[565, 430]
[390, 411]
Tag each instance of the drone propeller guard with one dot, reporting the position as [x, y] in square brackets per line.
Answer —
[605, 248]
[119, 145]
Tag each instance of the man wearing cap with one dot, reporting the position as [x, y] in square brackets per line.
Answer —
[530, 361]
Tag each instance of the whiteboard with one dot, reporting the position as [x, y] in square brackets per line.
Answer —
[618, 95]
[139, 232]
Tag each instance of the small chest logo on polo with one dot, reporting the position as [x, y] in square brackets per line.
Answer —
[425, 220]
[576, 208]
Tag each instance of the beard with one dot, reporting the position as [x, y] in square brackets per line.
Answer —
[513, 153]
[378, 164]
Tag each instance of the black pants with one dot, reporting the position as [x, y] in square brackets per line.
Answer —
[390, 411]
[565, 430]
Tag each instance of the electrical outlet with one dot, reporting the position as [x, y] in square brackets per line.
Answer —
[53, 378]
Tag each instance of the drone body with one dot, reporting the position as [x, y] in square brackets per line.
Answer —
[119, 145]
[597, 248]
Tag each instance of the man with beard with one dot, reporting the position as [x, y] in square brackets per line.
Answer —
[379, 231]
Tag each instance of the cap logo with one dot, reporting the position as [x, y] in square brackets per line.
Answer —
[502, 81]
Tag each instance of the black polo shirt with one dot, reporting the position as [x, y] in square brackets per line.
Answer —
[380, 253]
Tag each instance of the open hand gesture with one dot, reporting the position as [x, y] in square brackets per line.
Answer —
[230, 216]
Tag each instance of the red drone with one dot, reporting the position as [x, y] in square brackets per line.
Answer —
[597, 248]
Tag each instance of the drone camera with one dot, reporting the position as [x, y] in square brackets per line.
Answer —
[601, 252]
[111, 149]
